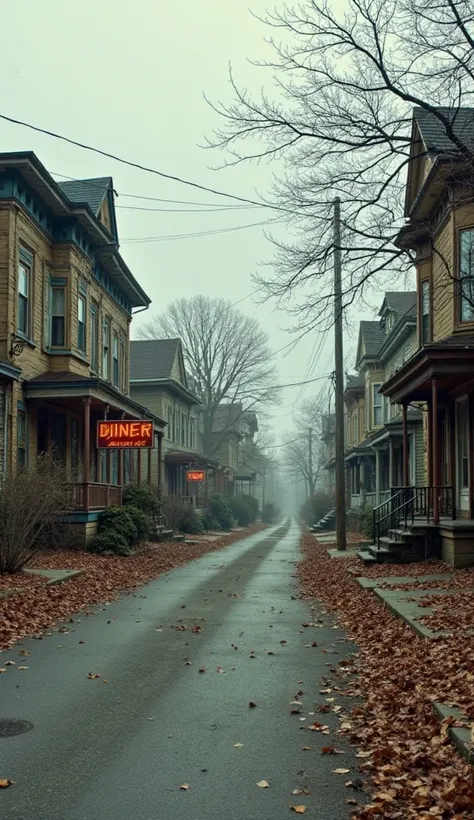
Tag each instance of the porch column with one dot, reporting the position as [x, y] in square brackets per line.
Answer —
[107, 461]
[377, 476]
[139, 467]
[149, 467]
[451, 436]
[160, 458]
[405, 446]
[429, 441]
[471, 453]
[434, 449]
[361, 488]
[87, 449]
[390, 463]
[121, 455]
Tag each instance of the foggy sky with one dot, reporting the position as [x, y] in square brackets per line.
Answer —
[129, 77]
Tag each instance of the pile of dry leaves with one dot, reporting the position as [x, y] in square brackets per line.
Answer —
[413, 769]
[37, 606]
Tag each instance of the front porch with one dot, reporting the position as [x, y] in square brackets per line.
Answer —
[61, 414]
[440, 376]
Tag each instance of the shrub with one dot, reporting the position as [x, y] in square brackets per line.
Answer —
[180, 516]
[142, 521]
[30, 502]
[119, 520]
[109, 541]
[315, 507]
[147, 500]
[241, 510]
[253, 504]
[220, 510]
[270, 514]
[366, 520]
[210, 523]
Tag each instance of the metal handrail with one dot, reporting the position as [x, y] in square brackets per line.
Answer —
[420, 500]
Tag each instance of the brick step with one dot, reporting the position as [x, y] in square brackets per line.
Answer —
[366, 557]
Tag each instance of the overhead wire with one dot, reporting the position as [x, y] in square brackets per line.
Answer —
[138, 240]
[139, 166]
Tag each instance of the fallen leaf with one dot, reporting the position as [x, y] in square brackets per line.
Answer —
[252, 705]
[184, 787]
[22, 667]
[298, 809]
[202, 668]
[5, 783]
[92, 676]
[306, 749]
[341, 771]
[238, 745]
[263, 784]
[220, 669]
[297, 791]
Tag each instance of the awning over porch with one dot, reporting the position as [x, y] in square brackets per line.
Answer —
[360, 450]
[66, 386]
[182, 457]
[450, 362]
[393, 428]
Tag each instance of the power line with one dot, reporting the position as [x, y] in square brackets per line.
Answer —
[138, 240]
[138, 165]
[207, 205]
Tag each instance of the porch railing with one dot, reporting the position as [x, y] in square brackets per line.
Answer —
[409, 503]
[95, 496]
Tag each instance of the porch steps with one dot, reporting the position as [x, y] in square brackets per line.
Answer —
[400, 546]
[179, 537]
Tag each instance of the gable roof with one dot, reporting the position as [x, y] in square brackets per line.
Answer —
[152, 358]
[354, 381]
[433, 131]
[227, 417]
[89, 191]
[401, 302]
[373, 336]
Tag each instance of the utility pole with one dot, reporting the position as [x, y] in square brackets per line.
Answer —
[339, 384]
[310, 458]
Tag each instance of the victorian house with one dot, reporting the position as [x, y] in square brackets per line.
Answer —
[66, 302]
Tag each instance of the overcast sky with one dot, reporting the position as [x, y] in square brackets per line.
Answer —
[129, 78]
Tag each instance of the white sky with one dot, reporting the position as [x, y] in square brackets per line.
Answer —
[129, 78]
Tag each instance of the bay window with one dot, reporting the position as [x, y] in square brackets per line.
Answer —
[377, 405]
[466, 275]
[58, 317]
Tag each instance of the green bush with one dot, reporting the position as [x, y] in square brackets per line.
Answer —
[143, 498]
[109, 541]
[315, 507]
[118, 519]
[220, 510]
[241, 510]
[180, 516]
[210, 523]
[270, 514]
[253, 504]
[141, 520]
[366, 520]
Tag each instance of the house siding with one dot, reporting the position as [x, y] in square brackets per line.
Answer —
[442, 283]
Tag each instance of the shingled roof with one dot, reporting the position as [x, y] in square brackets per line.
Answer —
[227, 417]
[401, 302]
[373, 336]
[152, 358]
[433, 131]
[89, 191]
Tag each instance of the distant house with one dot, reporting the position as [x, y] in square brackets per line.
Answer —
[233, 429]
[158, 380]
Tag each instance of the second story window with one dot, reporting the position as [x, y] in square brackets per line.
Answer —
[94, 320]
[24, 286]
[115, 359]
[105, 349]
[466, 275]
[425, 312]
[377, 405]
[81, 323]
[58, 317]
[123, 367]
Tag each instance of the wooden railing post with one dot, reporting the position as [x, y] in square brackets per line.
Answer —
[87, 449]
[434, 449]
[405, 446]
[160, 458]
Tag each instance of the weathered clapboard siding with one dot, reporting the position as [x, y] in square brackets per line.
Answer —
[443, 282]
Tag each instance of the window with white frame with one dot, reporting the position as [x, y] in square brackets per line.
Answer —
[115, 359]
[386, 408]
[170, 423]
[24, 290]
[466, 274]
[425, 312]
[81, 323]
[58, 316]
[94, 334]
[123, 366]
[377, 405]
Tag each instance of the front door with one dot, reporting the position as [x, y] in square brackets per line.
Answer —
[462, 452]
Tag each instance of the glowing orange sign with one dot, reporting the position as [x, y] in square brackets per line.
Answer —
[195, 475]
[124, 434]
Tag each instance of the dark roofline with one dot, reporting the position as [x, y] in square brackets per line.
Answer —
[15, 158]
[165, 381]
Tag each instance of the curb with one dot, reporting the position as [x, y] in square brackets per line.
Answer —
[459, 736]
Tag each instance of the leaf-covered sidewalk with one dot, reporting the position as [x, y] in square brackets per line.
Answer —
[37, 606]
[413, 770]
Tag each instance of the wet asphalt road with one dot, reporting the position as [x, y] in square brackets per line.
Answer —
[121, 750]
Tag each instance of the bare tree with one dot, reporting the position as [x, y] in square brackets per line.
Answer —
[297, 458]
[227, 356]
[346, 77]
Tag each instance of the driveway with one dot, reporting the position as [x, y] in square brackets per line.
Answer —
[120, 746]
